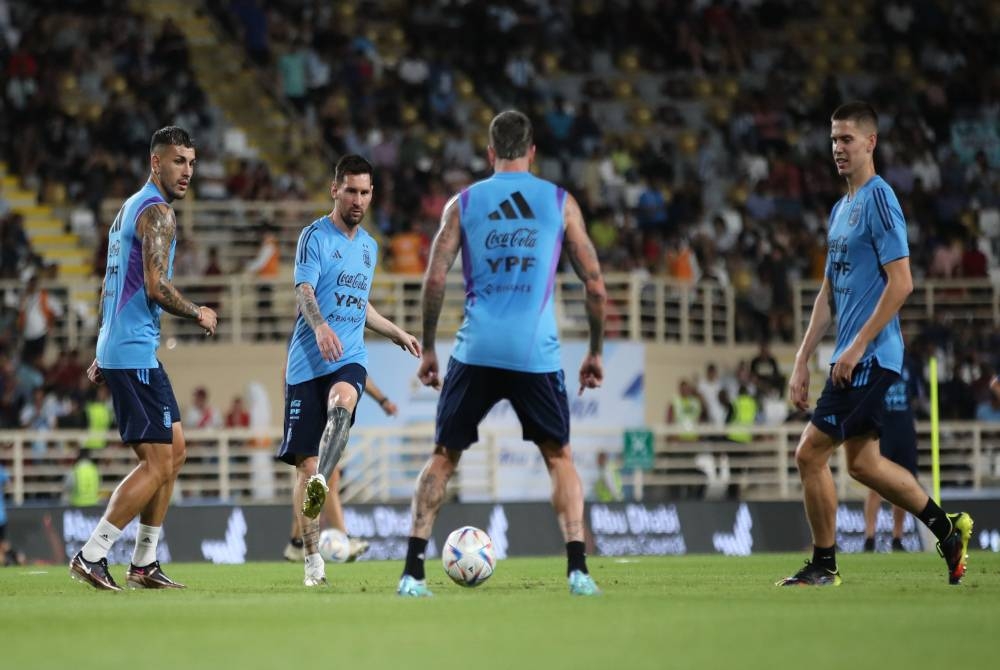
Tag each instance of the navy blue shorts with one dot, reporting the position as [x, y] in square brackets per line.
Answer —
[899, 439]
[144, 402]
[850, 411]
[470, 391]
[305, 411]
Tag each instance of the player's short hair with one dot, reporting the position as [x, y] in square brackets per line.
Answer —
[170, 136]
[857, 111]
[511, 134]
[352, 164]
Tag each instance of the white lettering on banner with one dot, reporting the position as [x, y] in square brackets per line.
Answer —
[740, 541]
[386, 529]
[390, 523]
[78, 526]
[233, 549]
[498, 531]
[637, 529]
[851, 531]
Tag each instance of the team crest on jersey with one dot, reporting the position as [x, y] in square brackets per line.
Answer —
[852, 219]
[366, 257]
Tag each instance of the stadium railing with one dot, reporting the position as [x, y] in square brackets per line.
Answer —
[381, 464]
[973, 302]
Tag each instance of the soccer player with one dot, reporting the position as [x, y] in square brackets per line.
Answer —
[867, 281]
[325, 370]
[295, 549]
[509, 229]
[898, 443]
[136, 289]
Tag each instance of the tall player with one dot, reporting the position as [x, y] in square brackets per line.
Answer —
[509, 229]
[326, 368]
[867, 281]
[137, 288]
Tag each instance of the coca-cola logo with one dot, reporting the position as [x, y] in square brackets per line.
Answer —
[349, 280]
[522, 238]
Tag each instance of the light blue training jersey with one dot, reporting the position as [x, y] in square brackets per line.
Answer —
[512, 231]
[340, 270]
[866, 232]
[130, 326]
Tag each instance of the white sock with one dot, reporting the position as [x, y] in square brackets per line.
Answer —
[145, 545]
[99, 544]
[315, 566]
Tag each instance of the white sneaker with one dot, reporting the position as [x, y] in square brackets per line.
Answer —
[315, 580]
[356, 547]
[293, 553]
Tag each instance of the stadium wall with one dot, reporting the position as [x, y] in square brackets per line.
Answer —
[236, 534]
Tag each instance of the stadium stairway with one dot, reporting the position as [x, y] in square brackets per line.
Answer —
[46, 230]
[219, 66]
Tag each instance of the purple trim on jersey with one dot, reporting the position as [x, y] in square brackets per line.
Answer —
[464, 197]
[553, 266]
[134, 278]
[560, 197]
[467, 266]
[146, 203]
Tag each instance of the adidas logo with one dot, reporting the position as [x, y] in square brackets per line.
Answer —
[147, 540]
[105, 536]
[832, 420]
[337, 256]
[506, 209]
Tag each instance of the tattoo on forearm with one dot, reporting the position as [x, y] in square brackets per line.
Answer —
[432, 301]
[443, 252]
[158, 230]
[306, 298]
[583, 258]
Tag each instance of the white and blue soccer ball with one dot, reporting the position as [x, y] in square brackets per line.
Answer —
[334, 545]
[467, 556]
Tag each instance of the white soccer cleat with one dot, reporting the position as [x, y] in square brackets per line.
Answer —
[315, 580]
[356, 547]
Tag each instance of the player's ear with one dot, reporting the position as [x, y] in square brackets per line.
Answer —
[154, 163]
[491, 155]
[872, 141]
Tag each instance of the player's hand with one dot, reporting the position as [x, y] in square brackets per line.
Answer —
[407, 342]
[389, 407]
[843, 369]
[427, 373]
[207, 319]
[329, 344]
[591, 372]
[798, 387]
[94, 373]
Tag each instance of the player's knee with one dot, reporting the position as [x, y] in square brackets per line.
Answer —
[807, 456]
[861, 469]
[180, 456]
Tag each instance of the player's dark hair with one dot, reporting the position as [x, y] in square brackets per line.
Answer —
[511, 135]
[352, 164]
[857, 111]
[170, 136]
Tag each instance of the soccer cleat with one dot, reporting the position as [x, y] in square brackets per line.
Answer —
[869, 544]
[954, 548]
[149, 577]
[897, 544]
[355, 549]
[94, 573]
[812, 575]
[410, 587]
[582, 584]
[316, 490]
[315, 580]
[293, 553]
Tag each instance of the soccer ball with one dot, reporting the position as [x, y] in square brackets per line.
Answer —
[468, 557]
[334, 545]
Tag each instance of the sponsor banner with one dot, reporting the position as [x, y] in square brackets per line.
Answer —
[237, 534]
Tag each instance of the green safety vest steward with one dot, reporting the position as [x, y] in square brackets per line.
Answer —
[86, 484]
[603, 492]
[98, 423]
[744, 414]
[687, 411]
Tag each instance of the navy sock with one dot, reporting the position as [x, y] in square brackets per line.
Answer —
[825, 557]
[415, 558]
[576, 558]
[935, 519]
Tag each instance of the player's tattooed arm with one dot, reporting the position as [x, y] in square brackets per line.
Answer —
[583, 257]
[305, 296]
[444, 250]
[158, 228]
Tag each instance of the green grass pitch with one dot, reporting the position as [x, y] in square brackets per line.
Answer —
[705, 612]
